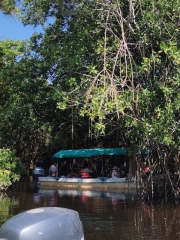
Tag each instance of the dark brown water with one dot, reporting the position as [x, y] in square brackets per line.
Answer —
[105, 215]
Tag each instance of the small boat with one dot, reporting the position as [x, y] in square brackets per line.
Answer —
[101, 183]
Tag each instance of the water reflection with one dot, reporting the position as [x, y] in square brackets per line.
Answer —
[104, 214]
[6, 205]
[86, 194]
[83, 196]
[39, 195]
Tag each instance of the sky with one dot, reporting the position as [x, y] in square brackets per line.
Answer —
[12, 28]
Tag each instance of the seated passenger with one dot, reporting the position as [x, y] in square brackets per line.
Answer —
[53, 170]
[145, 171]
[86, 172]
[114, 172]
[118, 173]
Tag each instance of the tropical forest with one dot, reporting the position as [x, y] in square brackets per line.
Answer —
[100, 74]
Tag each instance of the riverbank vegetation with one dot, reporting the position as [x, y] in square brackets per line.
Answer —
[100, 74]
[10, 168]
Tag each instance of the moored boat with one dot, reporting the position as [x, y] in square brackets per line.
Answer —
[101, 183]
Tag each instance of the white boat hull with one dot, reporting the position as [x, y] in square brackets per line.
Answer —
[89, 183]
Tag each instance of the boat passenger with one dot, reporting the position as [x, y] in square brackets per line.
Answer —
[53, 170]
[118, 173]
[86, 172]
[145, 171]
[114, 172]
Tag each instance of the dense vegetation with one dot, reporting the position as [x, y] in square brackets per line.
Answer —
[101, 74]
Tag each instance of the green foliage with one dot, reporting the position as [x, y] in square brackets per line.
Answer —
[10, 168]
[8, 6]
[116, 62]
[27, 102]
[113, 68]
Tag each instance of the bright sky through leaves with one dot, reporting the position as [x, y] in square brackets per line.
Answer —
[12, 28]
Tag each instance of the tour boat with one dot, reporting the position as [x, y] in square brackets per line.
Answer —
[99, 183]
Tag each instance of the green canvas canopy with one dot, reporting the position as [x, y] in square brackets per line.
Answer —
[83, 153]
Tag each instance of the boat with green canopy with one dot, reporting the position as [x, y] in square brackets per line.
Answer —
[82, 153]
[92, 183]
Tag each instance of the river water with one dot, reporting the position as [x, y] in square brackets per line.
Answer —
[104, 215]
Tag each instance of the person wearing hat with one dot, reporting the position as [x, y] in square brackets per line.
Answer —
[114, 172]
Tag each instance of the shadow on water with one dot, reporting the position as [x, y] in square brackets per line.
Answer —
[104, 214]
